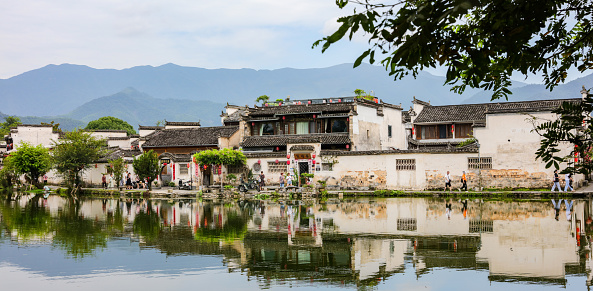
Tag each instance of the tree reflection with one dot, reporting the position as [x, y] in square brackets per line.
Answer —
[30, 222]
[147, 223]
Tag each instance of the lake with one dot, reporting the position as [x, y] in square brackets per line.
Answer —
[352, 244]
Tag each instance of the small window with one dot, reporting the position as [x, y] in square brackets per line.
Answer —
[279, 167]
[266, 129]
[183, 170]
[479, 163]
[339, 125]
[405, 164]
[389, 131]
[327, 167]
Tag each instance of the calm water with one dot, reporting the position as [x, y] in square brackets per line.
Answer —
[373, 244]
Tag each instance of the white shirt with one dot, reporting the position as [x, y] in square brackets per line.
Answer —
[447, 178]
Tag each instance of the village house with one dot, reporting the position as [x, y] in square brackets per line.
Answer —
[359, 144]
[178, 141]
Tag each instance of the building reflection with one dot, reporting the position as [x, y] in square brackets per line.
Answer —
[337, 242]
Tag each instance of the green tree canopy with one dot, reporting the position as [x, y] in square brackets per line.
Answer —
[117, 167]
[228, 157]
[32, 161]
[481, 43]
[146, 166]
[75, 153]
[110, 122]
[9, 121]
[263, 99]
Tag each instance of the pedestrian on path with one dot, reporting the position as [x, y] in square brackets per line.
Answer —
[104, 181]
[556, 182]
[281, 180]
[447, 181]
[568, 181]
[464, 182]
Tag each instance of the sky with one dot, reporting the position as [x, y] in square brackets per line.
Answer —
[258, 34]
[119, 34]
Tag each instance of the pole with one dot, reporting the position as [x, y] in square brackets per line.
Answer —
[479, 168]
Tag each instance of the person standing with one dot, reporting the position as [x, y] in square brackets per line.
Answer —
[289, 180]
[110, 181]
[464, 182]
[568, 181]
[556, 182]
[447, 181]
[281, 180]
[104, 181]
[262, 180]
[44, 179]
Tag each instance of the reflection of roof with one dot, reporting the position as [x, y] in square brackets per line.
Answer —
[180, 137]
[280, 140]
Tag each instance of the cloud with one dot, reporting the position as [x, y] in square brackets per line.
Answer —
[120, 34]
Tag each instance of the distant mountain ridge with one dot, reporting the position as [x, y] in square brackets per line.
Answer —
[59, 89]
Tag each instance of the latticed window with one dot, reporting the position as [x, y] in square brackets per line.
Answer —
[183, 170]
[327, 166]
[408, 224]
[405, 164]
[279, 167]
[479, 163]
[235, 169]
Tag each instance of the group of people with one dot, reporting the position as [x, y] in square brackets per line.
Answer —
[567, 180]
[285, 180]
[463, 182]
[108, 182]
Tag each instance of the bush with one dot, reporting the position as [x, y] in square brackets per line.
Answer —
[171, 184]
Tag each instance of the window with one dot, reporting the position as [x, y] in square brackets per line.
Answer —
[479, 163]
[463, 130]
[440, 131]
[408, 224]
[302, 127]
[339, 125]
[279, 167]
[327, 167]
[266, 129]
[389, 131]
[183, 170]
[235, 169]
[405, 164]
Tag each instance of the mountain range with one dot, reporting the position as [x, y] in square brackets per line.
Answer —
[146, 94]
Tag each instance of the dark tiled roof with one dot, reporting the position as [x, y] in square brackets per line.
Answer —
[528, 106]
[34, 125]
[418, 101]
[302, 147]
[406, 116]
[105, 130]
[182, 137]
[298, 109]
[477, 112]
[118, 138]
[116, 153]
[177, 157]
[143, 127]
[266, 155]
[182, 123]
[235, 116]
[281, 140]
[452, 113]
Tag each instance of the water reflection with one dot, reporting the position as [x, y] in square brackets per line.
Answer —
[349, 243]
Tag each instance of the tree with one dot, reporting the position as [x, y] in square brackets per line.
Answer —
[481, 43]
[573, 130]
[31, 161]
[117, 168]
[227, 157]
[9, 121]
[110, 122]
[74, 153]
[263, 99]
[54, 126]
[146, 166]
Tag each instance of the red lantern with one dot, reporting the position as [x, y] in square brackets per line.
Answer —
[339, 100]
[314, 116]
[453, 128]
[188, 165]
[313, 162]
[279, 103]
[253, 124]
[96, 166]
[266, 105]
[205, 167]
[277, 148]
[347, 146]
[288, 162]
[330, 101]
[164, 164]
[132, 147]
[313, 155]
[288, 156]
[276, 161]
[347, 118]
[309, 102]
[413, 130]
[283, 117]
[259, 161]
[194, 159]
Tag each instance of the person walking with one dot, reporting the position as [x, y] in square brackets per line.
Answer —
[464, 182]
[289, 180]
[281, 180]
[104, 181]
[568, 181]
[447, 181]
[556, 182]
[110, 184]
